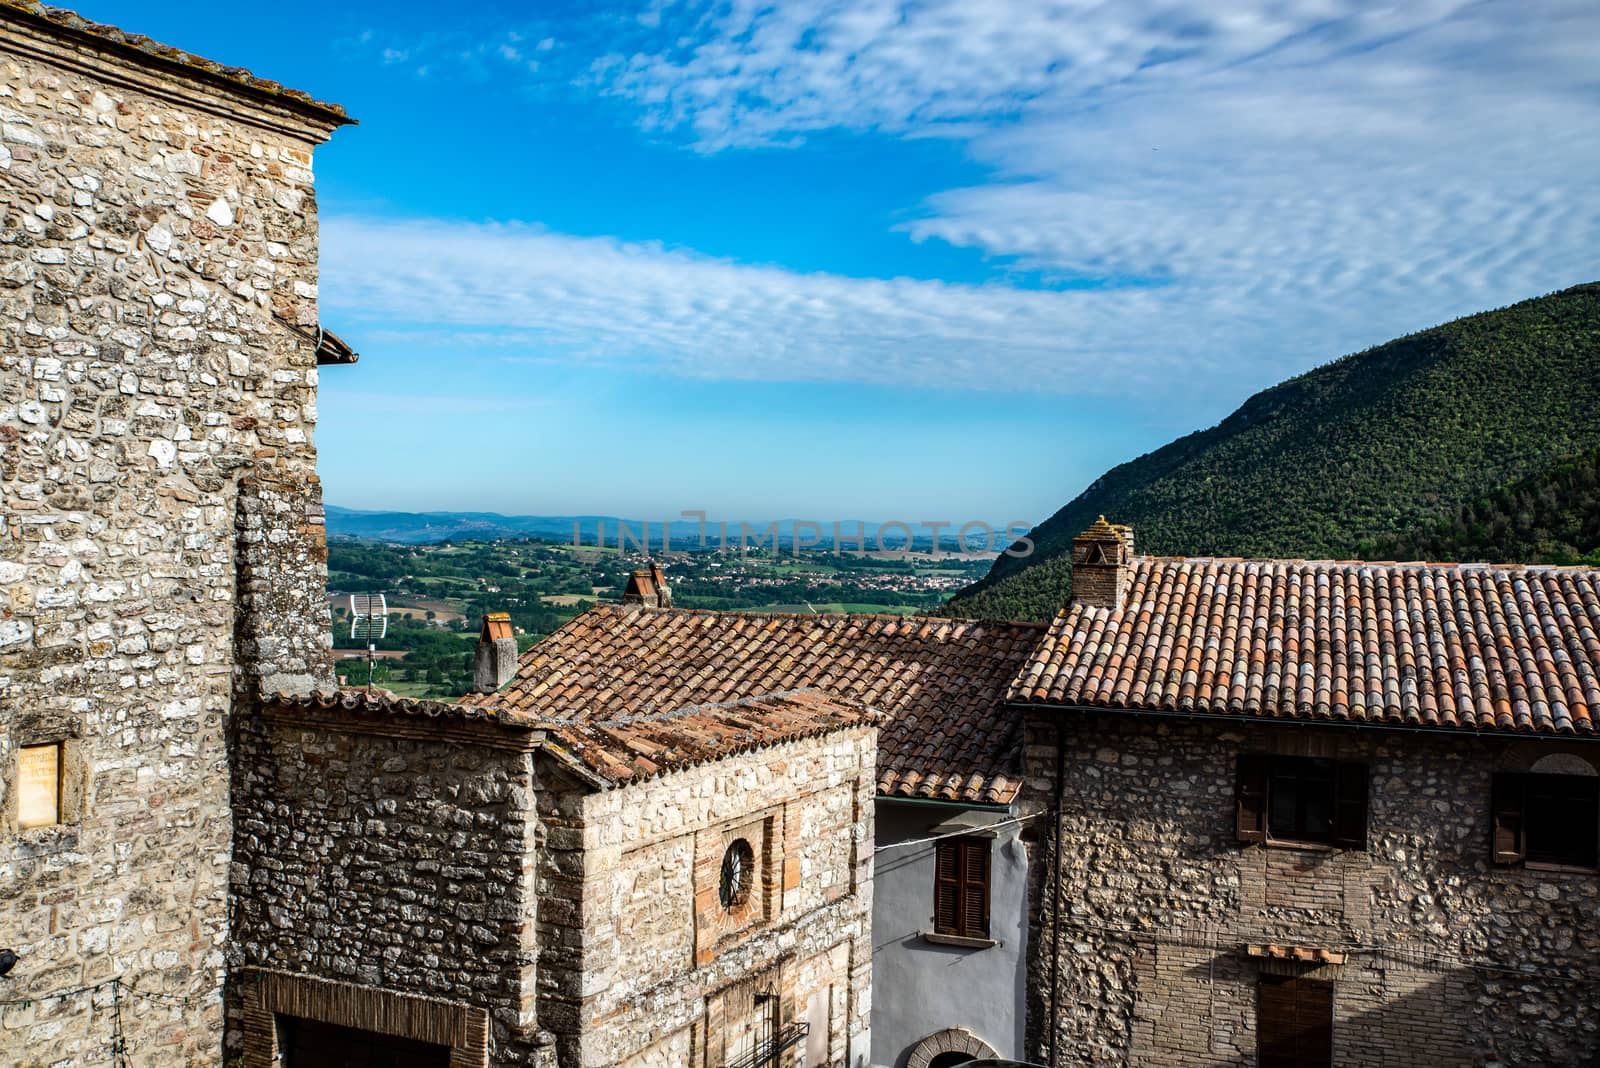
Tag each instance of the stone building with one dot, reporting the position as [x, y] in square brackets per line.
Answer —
[161, 548]
[1309, 814]
[454, 884]
[949, 891]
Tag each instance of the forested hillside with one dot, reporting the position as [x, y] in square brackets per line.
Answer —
[1351, 459]
[1550, 518]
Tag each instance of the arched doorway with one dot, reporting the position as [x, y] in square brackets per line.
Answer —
[948, 1048]
[950, 1060]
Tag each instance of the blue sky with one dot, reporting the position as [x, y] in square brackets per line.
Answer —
[934, 260]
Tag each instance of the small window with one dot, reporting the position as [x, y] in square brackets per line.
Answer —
[1301, 800]
[39, 785]
[1294, 1023]
[1546, 819]
[961, 887]
[738, 871]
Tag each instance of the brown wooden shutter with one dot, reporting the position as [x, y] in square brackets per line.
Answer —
[1350, 805]
[1250, 798]
[947, 887]
[1294, 1023]
[975, 888]
[1508, 805]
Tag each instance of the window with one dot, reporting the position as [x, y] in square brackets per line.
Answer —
[1546, 819]
[961, 887]
[1294, 1023]
[738, 869]
[39, 785]
[1301, 800]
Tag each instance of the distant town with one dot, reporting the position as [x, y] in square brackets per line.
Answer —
[437, 594]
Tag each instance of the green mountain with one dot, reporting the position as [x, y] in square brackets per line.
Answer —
[1551, 518]
[1380, 450]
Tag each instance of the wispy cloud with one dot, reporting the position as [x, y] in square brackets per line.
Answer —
[1249, 188]
[497, 287]
[751, 72]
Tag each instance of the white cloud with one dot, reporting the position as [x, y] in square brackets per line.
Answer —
[751, 72]
[1254, 187]
[499, 288]
[1295, 172]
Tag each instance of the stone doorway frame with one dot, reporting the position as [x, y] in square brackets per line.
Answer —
[950, 1040]
[462, 1028]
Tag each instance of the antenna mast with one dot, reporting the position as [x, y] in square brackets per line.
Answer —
[369, 622]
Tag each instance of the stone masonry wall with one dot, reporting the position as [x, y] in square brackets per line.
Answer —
[1452, 961]
[392, 855]
[155, 440]
[639, 962]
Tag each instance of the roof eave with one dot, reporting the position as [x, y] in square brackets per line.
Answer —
[84, 32]
[1246, 719]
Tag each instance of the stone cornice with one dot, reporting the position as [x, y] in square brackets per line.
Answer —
[27, 34]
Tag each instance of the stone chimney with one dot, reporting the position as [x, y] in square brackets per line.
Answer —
[648, 587]
[1102, 562]
[495, 661]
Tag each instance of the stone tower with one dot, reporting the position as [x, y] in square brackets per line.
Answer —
[161, 550]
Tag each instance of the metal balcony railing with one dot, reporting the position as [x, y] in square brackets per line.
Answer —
[767, 1053]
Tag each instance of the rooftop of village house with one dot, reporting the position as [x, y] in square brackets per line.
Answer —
[1460, 647]
[941, 682]
[610, 752]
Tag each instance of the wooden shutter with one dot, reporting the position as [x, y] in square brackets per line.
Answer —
[1350, 805]
[975, 888]
[947, 887]
[1250, 798]
[1294, 1023]
[961, 887]
[1508, 807]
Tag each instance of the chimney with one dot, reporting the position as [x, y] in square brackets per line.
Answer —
[1102, 558]
[648, 588]
[495, 661]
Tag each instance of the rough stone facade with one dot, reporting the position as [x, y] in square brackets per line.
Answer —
[444, 878]
[1141, 935]
[161, 539]
[640, 962]
[389, 855]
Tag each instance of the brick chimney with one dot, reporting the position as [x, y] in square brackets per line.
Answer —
[1102, 562]
[495, 661]
[648, 587]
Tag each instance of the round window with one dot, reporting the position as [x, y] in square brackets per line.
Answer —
[738, 870]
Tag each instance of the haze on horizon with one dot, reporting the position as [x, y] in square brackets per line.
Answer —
[920, 260]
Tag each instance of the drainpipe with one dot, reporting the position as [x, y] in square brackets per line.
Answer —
[1055, 899]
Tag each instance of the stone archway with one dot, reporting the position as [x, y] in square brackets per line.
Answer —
[950, 1040]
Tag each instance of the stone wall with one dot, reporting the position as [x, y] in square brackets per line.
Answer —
[392, 855]
[155, 440]
[1452, 961]
[641, 965]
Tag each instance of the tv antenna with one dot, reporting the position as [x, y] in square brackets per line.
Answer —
[369, 622]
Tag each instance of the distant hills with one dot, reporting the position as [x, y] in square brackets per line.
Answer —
[1472, 440]
[413, 528]
[418, 528]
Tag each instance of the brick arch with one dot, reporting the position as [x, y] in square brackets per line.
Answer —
[950, 1040]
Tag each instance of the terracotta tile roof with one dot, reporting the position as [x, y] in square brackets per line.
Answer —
[631, 748]
[384, 703]
[140, 47]
[1298, 954]
[941, 681]
[1461, 647]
